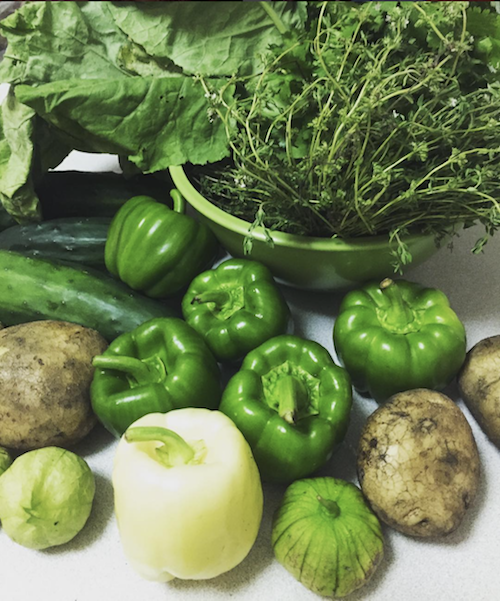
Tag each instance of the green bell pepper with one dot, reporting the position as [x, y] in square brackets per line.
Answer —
[398, 336]
[235, 307]
[292, 403]
[155, 249]
[161, 365]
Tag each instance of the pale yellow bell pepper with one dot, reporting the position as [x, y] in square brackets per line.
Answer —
[188, 496]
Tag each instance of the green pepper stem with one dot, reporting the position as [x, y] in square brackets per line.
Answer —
[400, 313]
[179, 204]
[129, 365]
[219, 297]
[175, 450]
[292, 396]
[330, 505]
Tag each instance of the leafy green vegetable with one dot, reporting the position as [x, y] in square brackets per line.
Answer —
[21, 157]
[50, 41]
[205, 39]
[118, 78]
[334, 118]
[16, 153]
[149, 120]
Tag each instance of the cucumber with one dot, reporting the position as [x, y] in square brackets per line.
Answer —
[32, 289]
[76, 239]
[86, 194]
[6, 220]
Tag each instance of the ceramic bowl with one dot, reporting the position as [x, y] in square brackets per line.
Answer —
[300, 261]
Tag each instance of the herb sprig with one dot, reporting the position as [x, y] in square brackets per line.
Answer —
[381, 119]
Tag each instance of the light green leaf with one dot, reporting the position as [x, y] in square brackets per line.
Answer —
[136, 61]
[206, 38]
[16, 155]
[154, 122]
[48, 41]
[26, 149]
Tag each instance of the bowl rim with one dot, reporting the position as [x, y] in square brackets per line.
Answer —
[240, 226]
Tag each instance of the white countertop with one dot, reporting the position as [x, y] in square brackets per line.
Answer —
[462, 567]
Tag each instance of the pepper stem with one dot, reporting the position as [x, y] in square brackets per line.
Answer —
[174, 452]
[219, 297]
[331, 506]
[139, 370]
[292, 396]
[179, 205]
[400, 313]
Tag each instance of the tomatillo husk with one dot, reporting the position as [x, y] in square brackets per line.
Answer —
[325, 534]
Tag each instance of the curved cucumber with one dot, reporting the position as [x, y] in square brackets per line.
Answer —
[79, 240]
[34, 289]
[87, 194]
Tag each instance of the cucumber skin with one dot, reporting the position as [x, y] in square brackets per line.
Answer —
[6, 220]
[88, 194]
[79, 240]
[33, 289]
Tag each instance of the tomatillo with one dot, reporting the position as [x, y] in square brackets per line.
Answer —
[325, 534]
[46, 497]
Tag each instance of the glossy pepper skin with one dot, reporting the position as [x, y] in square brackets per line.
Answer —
[155, 249]
[235, 307]
[397, 336]
[161, 365]
[292, 403]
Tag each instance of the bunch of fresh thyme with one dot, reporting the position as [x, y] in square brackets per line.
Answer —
[379, 119]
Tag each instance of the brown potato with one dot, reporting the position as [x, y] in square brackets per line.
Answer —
[45, 375]
[418, 463]
[479, 383]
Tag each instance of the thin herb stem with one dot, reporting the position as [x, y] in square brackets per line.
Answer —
[357, 126]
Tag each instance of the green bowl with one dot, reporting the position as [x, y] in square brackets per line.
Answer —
[300, 261]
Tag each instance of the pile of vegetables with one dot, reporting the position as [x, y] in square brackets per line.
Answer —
[154, 381]
[138, 344]
[331, 118]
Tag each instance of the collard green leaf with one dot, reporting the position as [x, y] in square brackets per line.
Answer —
[16, 155]
[136, 61]
[49, 41]
[206, 38]
[154, 122]
[27, 149]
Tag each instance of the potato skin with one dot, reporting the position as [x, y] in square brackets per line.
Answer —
[418, 463]
[479, 384]
[45, 375]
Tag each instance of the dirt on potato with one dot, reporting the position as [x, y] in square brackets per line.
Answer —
[45, 376]
[418, 463]
[479, 384]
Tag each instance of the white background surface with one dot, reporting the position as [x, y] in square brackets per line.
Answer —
[462, 567]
